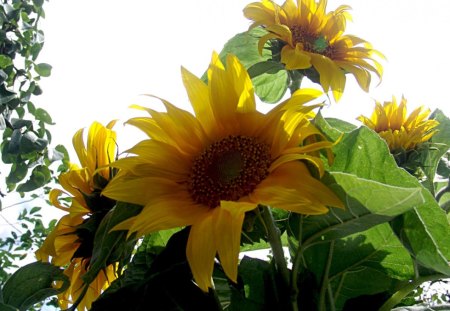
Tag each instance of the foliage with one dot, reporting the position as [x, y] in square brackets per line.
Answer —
[375, 254]
[25, 146]
[26, 138]
[30, 235]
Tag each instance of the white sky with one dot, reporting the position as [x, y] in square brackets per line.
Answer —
[105, 53]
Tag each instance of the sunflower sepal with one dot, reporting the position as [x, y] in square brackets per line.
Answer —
[111, 246]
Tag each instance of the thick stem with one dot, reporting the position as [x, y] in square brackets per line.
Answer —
[273, 234]
[296, 267]
[325, 281]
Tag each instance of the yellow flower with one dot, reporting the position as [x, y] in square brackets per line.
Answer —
[70, 243]
[312, 37]
[206, 171]
[400, 132]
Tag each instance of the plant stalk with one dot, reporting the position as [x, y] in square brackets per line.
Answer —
[397, 297]
[273, 235]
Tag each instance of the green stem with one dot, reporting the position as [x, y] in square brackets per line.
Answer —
[296, 267]
[273, 234]
[397, 297]
[325, 281]
[331, 298]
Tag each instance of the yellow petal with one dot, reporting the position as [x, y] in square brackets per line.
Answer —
[80, 148]
[295, 58]
[243, 86]
[292, 187]
[201, 251]
[198, 95]
[140, 190]
[168, 213]
[228, 219]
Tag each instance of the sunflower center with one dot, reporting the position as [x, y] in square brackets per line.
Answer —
[228, 170]
[312, 42]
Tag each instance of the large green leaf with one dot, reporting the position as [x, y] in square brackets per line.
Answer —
[33, 283]
[425, 229]
[270, 79]
[429, 154]
[269, 87]
[245, 46]
[367, 203]
[333, 128]
[257, 288]
[161, 282]
[366, 263]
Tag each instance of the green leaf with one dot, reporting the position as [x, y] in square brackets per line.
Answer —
[5, 61]
[331, 127]
[43, 69]
[18, 172]
[33, 283]
[378, 198]
[367, 203]
[271, 81]
[4, 307]
[376, 255]
[443, 134]
[30, 143]
[269, 67]
[110, 246]
[6, 99]
[39, 177]
[61, 150]
[424, 229]
[20, 123]
[428, 157]
[258, 288]
[42, 115]
[270, 88]
[14, 143]
[163, 283]
[245, 46]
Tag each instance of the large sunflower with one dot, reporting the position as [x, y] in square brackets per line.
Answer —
[311, 37]
[206, 171]
[401, 132]
[70, 244]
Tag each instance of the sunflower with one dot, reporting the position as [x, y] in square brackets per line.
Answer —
[70, 244]
[400, 132]
[310, 37]
[206, 171]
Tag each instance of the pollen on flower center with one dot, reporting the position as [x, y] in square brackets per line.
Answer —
[228, 170]
[311, 42]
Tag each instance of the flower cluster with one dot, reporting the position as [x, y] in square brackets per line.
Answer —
[310, 37]
[209, 170]
[70, 244]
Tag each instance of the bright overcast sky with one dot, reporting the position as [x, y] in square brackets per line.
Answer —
[105, 53]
